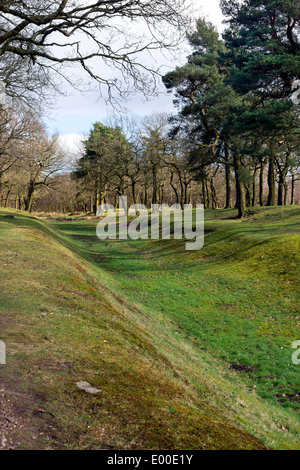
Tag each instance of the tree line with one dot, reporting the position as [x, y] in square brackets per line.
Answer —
[29, 158]
[237, 98]
[232, 142]
[238, 113]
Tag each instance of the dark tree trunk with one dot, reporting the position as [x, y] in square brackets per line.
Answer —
[213, 194]
[145, 199]
[240, 188]
[174, 188]
[280, 192]
[271, 183]
[282, 187]
[204, 199]
[227, 179]
[293, 190]
[154, 186]
[186, 193]
[28, 200]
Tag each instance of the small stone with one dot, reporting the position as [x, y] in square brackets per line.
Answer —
[87, 387]
[3, 440]
[10, 420]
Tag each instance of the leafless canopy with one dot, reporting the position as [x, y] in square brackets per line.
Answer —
[44, 36]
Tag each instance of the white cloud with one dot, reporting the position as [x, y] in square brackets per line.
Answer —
[72, 142]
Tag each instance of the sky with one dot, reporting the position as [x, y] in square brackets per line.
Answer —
[74, 114]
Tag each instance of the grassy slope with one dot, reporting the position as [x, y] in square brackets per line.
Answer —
[156, 348]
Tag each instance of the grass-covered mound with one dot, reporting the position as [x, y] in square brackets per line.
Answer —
[163, 333]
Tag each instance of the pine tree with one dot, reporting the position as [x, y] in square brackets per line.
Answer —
[208, 104]
[263, 50]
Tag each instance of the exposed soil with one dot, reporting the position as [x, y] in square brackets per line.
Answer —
[14, 427]
[293, 397]
[22, 424]
[242, 367]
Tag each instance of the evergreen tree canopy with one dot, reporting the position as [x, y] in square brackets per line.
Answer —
[264, 43]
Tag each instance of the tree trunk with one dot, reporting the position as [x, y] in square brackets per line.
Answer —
[133, 191]
[213, 194]
[227, 179]
[254, 187]
[28, 200]
[6, 199]
[240, 188]
[293, 190]
[261, 184]
[280, 191]
[204, 199]
[96, 199]
[182, 197]
[190, 201]
[282, 186]
[285, 193]
[161, 194]
[271, 183]
[154, 186]
[174, 189]
[247, 195]
[207, 193]
[145, 202]
[186, 192]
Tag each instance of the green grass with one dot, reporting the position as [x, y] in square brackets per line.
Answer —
[172, 327]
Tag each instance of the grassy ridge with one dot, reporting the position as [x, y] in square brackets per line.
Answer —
[238, 297]
[130, 319]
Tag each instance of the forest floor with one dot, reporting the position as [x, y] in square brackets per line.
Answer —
[190, 350]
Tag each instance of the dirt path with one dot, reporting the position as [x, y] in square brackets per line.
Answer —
[16, 428]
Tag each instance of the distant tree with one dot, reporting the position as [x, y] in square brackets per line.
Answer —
[40, 157]
[104, 166]
[15, 124]
[177, 161]
[60, 196]
[156, 147]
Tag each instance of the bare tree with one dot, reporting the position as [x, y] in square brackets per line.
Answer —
[14, 124]
[40, 157]
[49, 34]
